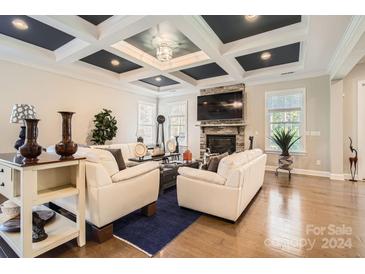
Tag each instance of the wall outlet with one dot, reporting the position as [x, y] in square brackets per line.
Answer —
[318, 162]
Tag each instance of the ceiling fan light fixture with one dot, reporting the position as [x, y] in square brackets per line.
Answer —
[158, 79]
[164, 52]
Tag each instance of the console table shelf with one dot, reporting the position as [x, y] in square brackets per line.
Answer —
[30, 186]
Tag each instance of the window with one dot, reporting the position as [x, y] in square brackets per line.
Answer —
[286, 109]
[177, 118]
[146, 121]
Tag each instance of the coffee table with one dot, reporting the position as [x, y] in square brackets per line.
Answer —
[172, 156]
[168, 173]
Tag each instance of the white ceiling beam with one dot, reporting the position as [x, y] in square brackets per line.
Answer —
[195, 28]
[272, 39]
[71, 24]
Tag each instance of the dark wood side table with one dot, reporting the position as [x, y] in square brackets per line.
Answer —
[168, 173]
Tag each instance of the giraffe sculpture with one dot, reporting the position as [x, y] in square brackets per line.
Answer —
[353, 162]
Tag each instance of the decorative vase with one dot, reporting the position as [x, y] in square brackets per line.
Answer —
[66, 148]
[31, 150]
[187, 155]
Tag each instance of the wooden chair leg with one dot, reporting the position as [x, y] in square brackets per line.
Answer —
[102, 234]
[150, 209]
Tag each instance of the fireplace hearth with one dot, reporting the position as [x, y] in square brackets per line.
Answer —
[221, 143]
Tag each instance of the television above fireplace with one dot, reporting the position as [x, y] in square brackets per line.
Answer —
[222, 106]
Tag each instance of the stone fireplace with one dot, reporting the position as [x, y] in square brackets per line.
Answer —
[223, 135]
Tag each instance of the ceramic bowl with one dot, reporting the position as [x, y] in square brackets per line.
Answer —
[10, 208]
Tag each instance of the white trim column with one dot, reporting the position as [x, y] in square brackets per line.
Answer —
[336, 130]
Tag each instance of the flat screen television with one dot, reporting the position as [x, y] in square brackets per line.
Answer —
[221, 106]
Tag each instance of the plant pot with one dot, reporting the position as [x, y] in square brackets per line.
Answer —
[285, 162]
[66, 148]
[31, 150]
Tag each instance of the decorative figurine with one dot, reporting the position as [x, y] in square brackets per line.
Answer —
[39, 234]
[353, 162]
[250, 138]
[160, 121]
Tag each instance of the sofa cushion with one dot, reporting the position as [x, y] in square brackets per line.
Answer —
[230, 162]
[214, 162]
[107, 160]
[135, 171]
[117, 154]
[202, 175]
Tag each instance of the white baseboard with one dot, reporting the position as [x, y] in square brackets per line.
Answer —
[338, 177]
[300, 171]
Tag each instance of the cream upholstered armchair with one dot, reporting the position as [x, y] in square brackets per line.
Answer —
[112, 194]
[226, 193]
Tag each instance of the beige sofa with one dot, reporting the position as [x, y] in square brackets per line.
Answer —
[226, 193]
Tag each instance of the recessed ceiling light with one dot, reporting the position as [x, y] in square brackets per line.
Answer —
[20, 24]
[115, 62]
[251, 18]
[158, 79]
[265, 55]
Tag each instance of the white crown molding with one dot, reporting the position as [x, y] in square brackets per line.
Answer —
[349, 40]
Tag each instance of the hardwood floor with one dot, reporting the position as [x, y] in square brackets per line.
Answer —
[275, 225]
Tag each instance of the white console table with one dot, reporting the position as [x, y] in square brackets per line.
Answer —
[32, 185]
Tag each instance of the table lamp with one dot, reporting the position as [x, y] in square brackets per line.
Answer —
[18, 114]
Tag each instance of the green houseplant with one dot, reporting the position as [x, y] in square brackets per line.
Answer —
[285, 139]
[105, 127]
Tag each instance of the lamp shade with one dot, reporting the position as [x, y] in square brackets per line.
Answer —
[21, 112]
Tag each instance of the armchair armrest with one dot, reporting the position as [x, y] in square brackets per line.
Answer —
[202, 175]
[135, 171]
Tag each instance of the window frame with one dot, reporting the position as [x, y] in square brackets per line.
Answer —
[303, 123]
[170, 105]
[153, 125]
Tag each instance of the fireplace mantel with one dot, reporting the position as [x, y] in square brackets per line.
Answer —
[237, 125]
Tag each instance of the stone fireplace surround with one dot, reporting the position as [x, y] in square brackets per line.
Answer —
[224, 127]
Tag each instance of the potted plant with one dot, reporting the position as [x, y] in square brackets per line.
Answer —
[105, 127]
[284, 139]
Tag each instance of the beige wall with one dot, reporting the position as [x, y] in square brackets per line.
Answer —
[50, 93]
[350, 83]
[318, 119]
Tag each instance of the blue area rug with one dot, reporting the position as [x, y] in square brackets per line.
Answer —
[151, 234]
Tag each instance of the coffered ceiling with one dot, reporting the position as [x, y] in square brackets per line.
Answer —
[202, 51]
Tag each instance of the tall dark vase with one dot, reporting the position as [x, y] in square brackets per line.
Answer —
[31, 150]
[66, 148]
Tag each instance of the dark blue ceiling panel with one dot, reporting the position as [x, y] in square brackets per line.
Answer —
[279, 56]
[37, 33]
[205, 71]
[164, 81]
[230, 28]
[95, 19]
[103, 59]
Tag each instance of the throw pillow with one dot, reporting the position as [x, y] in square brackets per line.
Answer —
[214, 162]
[117, 153]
